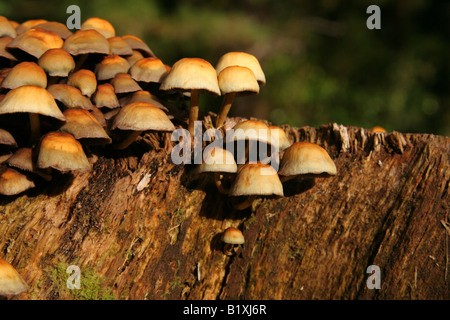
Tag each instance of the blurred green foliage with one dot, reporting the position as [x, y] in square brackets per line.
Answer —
[321, 62]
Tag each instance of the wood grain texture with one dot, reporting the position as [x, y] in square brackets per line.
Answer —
[151, 229]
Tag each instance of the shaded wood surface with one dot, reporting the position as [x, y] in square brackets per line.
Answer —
[151, 229]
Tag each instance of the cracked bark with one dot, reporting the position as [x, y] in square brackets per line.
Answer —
[152, 230]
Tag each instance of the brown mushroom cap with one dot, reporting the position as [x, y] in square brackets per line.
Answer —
[4, 42]
[252, 130]
[61, 151]
[83, 125]
[6, 139]
[124, 83]
[303, 158]
[239, 80]
[137, 44]
[11, 283]
[31, 99]
[192, 74]
[103, 26]
[256, 179]
[106, 97]
[148, 70]
[110, 66]
[28, 24]
[84, 80]
[36, 41]
[233, 236]
[142, 116]
[13, 182]
[25, 73]
[119, 46]
[134, 57]
[70, 96]
[86, 41]
[57, 27]
[218, 160]
[6, 28]
[143, 96]
[242, 59]
[57, 62]
[279, 135]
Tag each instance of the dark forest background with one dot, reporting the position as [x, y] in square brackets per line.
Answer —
[321, 62]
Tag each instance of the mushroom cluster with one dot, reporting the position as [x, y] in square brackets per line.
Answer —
[66, 94]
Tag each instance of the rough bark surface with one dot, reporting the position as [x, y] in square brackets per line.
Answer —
[151, 229]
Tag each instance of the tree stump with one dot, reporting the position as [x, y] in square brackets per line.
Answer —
[140, 227]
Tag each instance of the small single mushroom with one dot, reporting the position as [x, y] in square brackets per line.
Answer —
[4, 52]
[56, 63]
[84, 127]
[28, 24]
[11, 282]
[254, 180]
[13, 182]
[138, 117]
[71, 97]
[7, 139]
[57, 27]
[134, 57]
[234, 81]
[33, 100]
[62, 152]
[25, 73]
[119, 46]
[137, 44]
[24, 159]
[148, 70]
[220, 162]
[192, 75]
[102, 26]
[232, 237]
[110, 66]
[242, 59]
[84, 80]
[305, 159]
[378, 129]
[124, 83]
[105, 97]
[280, 137]
[6, 28]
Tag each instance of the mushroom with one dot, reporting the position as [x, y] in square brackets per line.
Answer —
[57, 63]
[33, 100]
[119, 46]
[25, 73]
[61, 151]
[137, 44]
[253, 180]
[139, 117]
[84, 80]
[69, 96]
[306, 159]
[220, 162]
[143, 96]
[124, 83]
[28, 24]
[134, 57]
[102, 26]
[232, 237]
[84, 127]
[57, 27]
[242, 59]
[24, 159]
[4, 52]
[233, 81]
[280, 137]
[110, 66]
[148, 70]
[6, 28]
[106, 97]
[11, 282]
[378, 129]
[192, 75]
[6, 139]
[13, 182]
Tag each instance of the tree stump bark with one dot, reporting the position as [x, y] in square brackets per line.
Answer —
[141, 227]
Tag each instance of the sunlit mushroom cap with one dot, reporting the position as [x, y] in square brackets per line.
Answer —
[84, 80]
[135, 56]
[143, 96]
[61, 151]
[28, 24]
[279, 135]
[148, 70]
[100, 25]
[233, 236]
[192, 73]
[25, 73]
[11, 283]
[137, 44]
[31, 99]
[106, 97]
[119, 46]
[57, 27]
[13, 182]
[242, 59]
[306, 158]
[142, 116]
[110, 66]
[378, 129]
[57, 62]
[239, 80]
[252, 130]
[217, 160]
[83, 125]
[6, 28]
[124, 83]
[36, 41]
[86, 41]
[256, 179]
[70, 96]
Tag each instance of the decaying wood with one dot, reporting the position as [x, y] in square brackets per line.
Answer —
[151, 229]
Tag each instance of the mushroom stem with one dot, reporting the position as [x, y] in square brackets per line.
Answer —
[127, 141]
[219, 179]
[225, 108]
[243, 204]
[80, 61]
[35, 128]
[193, 111]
